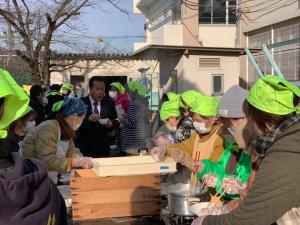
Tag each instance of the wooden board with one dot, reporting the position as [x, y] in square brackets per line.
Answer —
[113, 183]
[96, 197]
[97, 211]
[132, 165]
[139, 194]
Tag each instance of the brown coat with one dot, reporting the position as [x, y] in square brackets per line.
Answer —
[41, 143]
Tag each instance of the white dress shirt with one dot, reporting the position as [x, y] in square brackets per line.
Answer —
[93, 106]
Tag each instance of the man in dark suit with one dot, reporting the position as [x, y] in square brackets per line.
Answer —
[92, 137]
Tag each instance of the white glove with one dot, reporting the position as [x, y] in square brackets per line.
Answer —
[82, 162]
[182, 157]
[233, 186]
[210, 180]
[158, 153]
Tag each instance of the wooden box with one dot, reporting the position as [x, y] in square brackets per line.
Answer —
[95, 197]
[132, 165]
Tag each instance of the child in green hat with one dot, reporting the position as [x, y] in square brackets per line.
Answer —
[206, 137]
[170, 115]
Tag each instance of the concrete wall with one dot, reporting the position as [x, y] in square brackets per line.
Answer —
[191, 76]
[194, 77]
[189, 19]
[218, 35]
[268, 13]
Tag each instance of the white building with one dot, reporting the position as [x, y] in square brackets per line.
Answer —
[201, 42]
[195, 43]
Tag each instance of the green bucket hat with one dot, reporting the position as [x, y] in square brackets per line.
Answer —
[118, 86]
[136, 86]
[173, 96]
[67, 86]
[169, 109]
[16, 101]
[275, 95]
[206, 106]
[189, 97]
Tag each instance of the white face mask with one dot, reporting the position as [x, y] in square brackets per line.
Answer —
[76, 126]
[29, 126]
[231, 131]
[201, 128]
[112, 94]
[171, 128]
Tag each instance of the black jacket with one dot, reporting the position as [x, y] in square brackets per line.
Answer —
[39, 108]
[92, 137]
[52, 99]
[28, 196]
[10, 144]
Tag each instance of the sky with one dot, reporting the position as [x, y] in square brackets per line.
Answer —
[113, 25]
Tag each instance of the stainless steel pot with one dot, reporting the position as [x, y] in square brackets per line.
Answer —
[180, 198]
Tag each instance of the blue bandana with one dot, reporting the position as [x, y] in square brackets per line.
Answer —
[72, 106]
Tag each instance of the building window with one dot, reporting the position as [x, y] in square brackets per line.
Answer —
[286, 32]
[217, 84]
[259, 38]
[217, 11]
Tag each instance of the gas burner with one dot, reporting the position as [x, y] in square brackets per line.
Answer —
[170, 219]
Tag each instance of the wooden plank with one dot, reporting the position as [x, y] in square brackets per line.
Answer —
[135, 169]
[132, 165]
[112, 183]
[140, 194]
[124, 160]
[97, 211]
[85, 173]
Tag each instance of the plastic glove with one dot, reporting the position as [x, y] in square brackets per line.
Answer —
[158, 153]
[182, 157]
[197, 166]
[82, 162]
[161, 140]
[210, 180]
[198, 221]
[233, 186]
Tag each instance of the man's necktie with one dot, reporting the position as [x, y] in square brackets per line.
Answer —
[96, 108]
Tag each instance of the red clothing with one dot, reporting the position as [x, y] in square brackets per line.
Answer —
[123, 100]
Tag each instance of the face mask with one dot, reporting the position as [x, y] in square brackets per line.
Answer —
[231, 131]
[171, 128]
[65, 92]
[76, 126]
[201, 128]
[112, 94]
[29, 126]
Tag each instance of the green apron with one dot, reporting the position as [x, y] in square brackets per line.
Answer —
[241, 172]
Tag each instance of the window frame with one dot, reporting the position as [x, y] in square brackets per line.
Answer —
[213, 93]
[227, 19]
